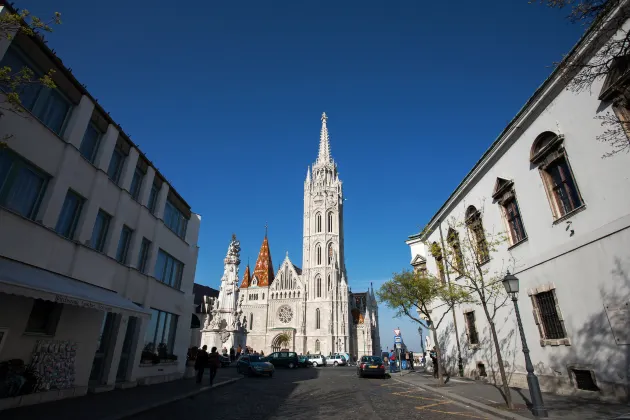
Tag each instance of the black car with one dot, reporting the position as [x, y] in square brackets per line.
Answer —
[371, 366]
[225, 361]
[283, 358]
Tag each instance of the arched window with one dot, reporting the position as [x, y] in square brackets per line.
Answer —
[330, 253]
[549, 155]
[475, 224]
[318, 285]
[458, 256]
[317, 319]
[251, 321]
[263, 295]
[436, 252]
[330, 222]
[298, 293]
[329, 283]
[318, 222]
[318, 254]
[317, 346]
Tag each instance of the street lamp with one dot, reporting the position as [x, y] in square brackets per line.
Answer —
[364, 341]
[510, 282]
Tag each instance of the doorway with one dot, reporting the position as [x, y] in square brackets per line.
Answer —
[125, 355]
[102, 349]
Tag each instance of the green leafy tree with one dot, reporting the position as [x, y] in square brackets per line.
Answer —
[469, 248]
[416, 295]
[14, 80]
[580, 71]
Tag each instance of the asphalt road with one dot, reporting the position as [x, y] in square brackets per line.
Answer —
[314, 393]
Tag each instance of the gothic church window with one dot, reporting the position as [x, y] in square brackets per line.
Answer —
[318, 222]
[330, 222]
[318, 254]
[318, 285]
[251, 321]
[317, 320]
[549, 155]
[317, 346]
[330, 253]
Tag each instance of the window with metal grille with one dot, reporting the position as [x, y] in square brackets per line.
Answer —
[552, 326]
[481, 368]
[584, 380]
[473, 337]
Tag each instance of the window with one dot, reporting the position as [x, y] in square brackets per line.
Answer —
[547, 317]
[330, 253]
[48, 105]
[175, 220]
[330, 222]
[516, 230]
[318, 284]
[44, 317]
[251, 321]
[329, 283]
[453, 241]
[99, 233]
[318, 254]
[317, 324]
[317, 344]
[168, 270]
[153, 198]
[123, 244]
[160, 335]
[475, 224]
[136, 183]
[115, 165]
[69, 216]
[143, 258]
[318, 222]
[473, 337]
[21, 184]
[90, 143]
[436, 252]
[549, 156]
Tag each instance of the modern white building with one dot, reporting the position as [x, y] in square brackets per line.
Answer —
[312, 305]
[566, 214]
[97, 250]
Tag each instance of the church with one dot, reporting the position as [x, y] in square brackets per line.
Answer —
[307, 310]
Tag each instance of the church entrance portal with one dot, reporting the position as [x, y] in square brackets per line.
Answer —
[281, 342]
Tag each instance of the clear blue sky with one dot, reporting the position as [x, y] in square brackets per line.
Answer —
[226, 97]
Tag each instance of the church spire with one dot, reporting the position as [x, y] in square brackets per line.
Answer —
[308, 174]
[263, 271]
[246, 278]
[324, 143]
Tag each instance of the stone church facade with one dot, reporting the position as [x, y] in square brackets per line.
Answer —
[309, 309]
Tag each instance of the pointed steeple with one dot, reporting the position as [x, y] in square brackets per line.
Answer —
[246, 278]
[324, 143]
[308, 174]
[263, 271]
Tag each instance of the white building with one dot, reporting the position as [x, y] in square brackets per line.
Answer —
[566, 212]
[313, 305]
[97, 250]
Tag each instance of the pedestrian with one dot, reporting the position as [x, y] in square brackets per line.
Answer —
[433, 356]
[213, 363]
[392, 361]
[231, 354]
[262, 353]
[239, 350]
[407, 359]
[411, 361]
[200, 362]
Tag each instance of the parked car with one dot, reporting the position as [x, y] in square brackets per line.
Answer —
[317, 360]
[253, 364]
[347, 357]
[225, 361]
[304, 362]
[371, 366]
[283, 358]
[337, 360]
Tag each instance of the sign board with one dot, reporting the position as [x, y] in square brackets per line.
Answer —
[397, 332]
[398, 339]
[619, 318]
[399, 345]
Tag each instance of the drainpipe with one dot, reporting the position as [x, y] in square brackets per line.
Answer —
[460, 363]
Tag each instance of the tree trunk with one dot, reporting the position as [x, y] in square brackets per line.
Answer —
[497, 347]
[438, 355]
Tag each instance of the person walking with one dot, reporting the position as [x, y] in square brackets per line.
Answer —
[200, 362]
[411, 361]
[213, 363]
[232, 354]
[392, 361]
[433, 356]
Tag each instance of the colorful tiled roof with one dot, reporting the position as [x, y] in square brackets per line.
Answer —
[263, 271]
[246, 278]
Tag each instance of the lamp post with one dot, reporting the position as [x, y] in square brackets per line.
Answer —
[364, 340]
[510, 282]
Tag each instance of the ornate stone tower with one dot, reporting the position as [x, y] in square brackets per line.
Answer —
[323, 263]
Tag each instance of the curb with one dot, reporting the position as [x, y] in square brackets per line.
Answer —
[162, 402]
[479, 406]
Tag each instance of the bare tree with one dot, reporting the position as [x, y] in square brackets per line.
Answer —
[469, 248]
[609, 58]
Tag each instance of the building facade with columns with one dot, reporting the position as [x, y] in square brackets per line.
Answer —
[309, 309]
[97, 252]
[564, 216]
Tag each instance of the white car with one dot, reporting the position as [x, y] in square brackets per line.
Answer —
[317, 359]
[338, 360]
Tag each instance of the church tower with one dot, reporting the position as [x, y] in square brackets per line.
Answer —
[323, 264]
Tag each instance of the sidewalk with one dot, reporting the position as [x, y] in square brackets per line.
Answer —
[488, 398]
[118, 404]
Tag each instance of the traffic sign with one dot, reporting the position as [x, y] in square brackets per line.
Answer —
[398, 339]
[398, 345]
[397, 332]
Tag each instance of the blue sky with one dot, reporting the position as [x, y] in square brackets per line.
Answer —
[226, 98]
